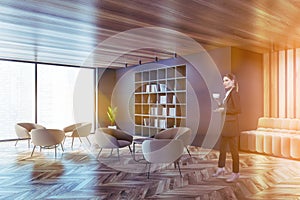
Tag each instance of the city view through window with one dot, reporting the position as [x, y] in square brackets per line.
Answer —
[55, 95]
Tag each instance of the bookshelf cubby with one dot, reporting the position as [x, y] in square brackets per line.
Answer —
[159, 99]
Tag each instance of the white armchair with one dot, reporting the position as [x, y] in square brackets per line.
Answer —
[23, 131]
[162, 151]
[78, 130]
[47, 138]
[182, 133]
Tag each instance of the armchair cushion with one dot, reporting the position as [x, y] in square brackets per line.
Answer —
[112, 138]
[123, 143]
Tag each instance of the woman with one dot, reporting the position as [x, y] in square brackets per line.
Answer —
[230, 107]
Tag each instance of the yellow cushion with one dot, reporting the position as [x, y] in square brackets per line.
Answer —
[265, 122]
[294, 124]
[285, 123]
[277, 123]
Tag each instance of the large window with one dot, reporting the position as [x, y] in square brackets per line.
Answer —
[16, 96]
[59, 104]
[65, 95]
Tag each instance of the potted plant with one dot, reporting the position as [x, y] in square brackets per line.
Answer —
[111, 113]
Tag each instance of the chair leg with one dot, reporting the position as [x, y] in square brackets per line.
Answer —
[29, 143]
[111, 152]
[64, 140]
[32, 151]
[179, 168]
[118, 151]
[72, 142]
[80, 139]
[16, 142]
[133, 151]
[55, 150]
[149, 167]
[188, 151]
[99, 153]
[62, 147]
[88, 141]
[130, 149]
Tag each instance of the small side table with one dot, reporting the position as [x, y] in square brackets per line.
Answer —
[138, 140]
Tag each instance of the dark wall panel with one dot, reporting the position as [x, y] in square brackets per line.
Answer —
[248, 67]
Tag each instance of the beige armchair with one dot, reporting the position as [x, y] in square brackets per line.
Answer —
[162, 151]
[112, 139]
[47, 138]
[182, 133]
[78, 130]
[23, 131]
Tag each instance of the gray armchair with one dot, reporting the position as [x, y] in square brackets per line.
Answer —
[112, 139]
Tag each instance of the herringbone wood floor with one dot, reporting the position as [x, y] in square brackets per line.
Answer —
[76, 174]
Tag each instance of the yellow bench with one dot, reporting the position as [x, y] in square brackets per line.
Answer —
[273, 136]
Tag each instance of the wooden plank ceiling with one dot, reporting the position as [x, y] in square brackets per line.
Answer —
[66, 32]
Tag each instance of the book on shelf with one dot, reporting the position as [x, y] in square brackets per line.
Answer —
[148, 99]
[146, 122]
[153, 111]
[153, 88]
[147, 88]
[163, 99]
[163, 87]
[155, 122]
[164, 112]
[162, 123]
[172, 112]
[173, 99]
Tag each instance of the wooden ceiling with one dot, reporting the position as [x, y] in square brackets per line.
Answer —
[66, 32]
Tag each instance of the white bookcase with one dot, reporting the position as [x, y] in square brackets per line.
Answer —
[159, 99]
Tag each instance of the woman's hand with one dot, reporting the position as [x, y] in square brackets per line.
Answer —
[220, 109]
[218, 102]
